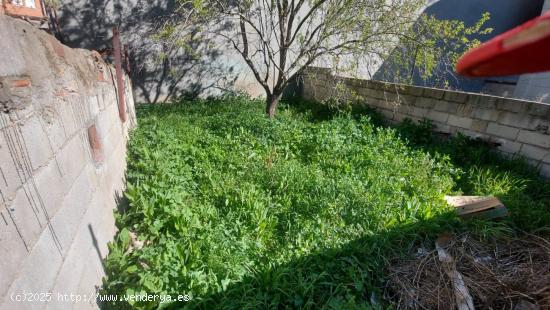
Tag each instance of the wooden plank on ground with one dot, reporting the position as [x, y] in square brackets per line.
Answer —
[487, 207]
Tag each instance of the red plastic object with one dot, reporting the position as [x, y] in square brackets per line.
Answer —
[524, 49]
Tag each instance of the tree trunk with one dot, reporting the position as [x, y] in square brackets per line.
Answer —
[272, 101]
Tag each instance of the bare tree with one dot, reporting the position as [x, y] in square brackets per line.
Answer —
[279, 39]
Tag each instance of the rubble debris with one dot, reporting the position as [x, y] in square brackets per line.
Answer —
[508, 273]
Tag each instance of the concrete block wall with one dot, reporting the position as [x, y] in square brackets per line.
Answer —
[517, 127]
[62, 164]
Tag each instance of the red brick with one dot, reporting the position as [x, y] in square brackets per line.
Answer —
[95, 144]
[21, 83]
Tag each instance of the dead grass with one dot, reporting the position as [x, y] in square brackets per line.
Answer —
[509, 273]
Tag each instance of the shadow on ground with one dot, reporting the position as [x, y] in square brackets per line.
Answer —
[341, 278]
[160, 70]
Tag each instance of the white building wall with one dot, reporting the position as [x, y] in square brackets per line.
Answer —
[535, 86]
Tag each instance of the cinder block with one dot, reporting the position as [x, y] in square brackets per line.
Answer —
[67, 117]
[388, 105]
[111, 140]
[455, 96]
[508, 146]
[485, 114]
[538, 109]
[511, 105]
[535, 153]
[370, 93]
[434, 93]
[391, 96]
[418, 112]
[11, 165]
[534, 138]
[540, 125]
[462, 122]
[81, 110]
[12, 245]
[514, 119]
[465, 110]
[446, 106]
[100, 95]
[89, 245]
[479, 125]
[502, 131]
[486, 102]
[56, 132]
[72, 158]
[50, 186]
[29, 214]
[426, 103]
[5, 120]
[70, 273]
[96, 230]
[406, 99]
[37, 273]
[410, 110]
[35, 142]
[66, 221]
[90, 284]
[416, 91]
[100, 224]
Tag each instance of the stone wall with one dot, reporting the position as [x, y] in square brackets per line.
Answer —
[516, 126]
[62, 163]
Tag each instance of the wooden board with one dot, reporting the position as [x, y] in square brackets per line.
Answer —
[487, 207]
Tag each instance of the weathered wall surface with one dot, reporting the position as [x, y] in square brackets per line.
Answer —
[62, 162]
[535, 86]
[211, 66]
[516, 126]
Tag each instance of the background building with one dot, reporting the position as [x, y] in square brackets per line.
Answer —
[22, 8]
[214, 66]
[534, 86]
[505, 15]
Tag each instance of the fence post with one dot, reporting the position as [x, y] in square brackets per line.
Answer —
[118, 69]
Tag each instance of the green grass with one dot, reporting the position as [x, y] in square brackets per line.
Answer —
[304, 211]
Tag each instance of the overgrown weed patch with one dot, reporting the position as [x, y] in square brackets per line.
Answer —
[303, 211]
